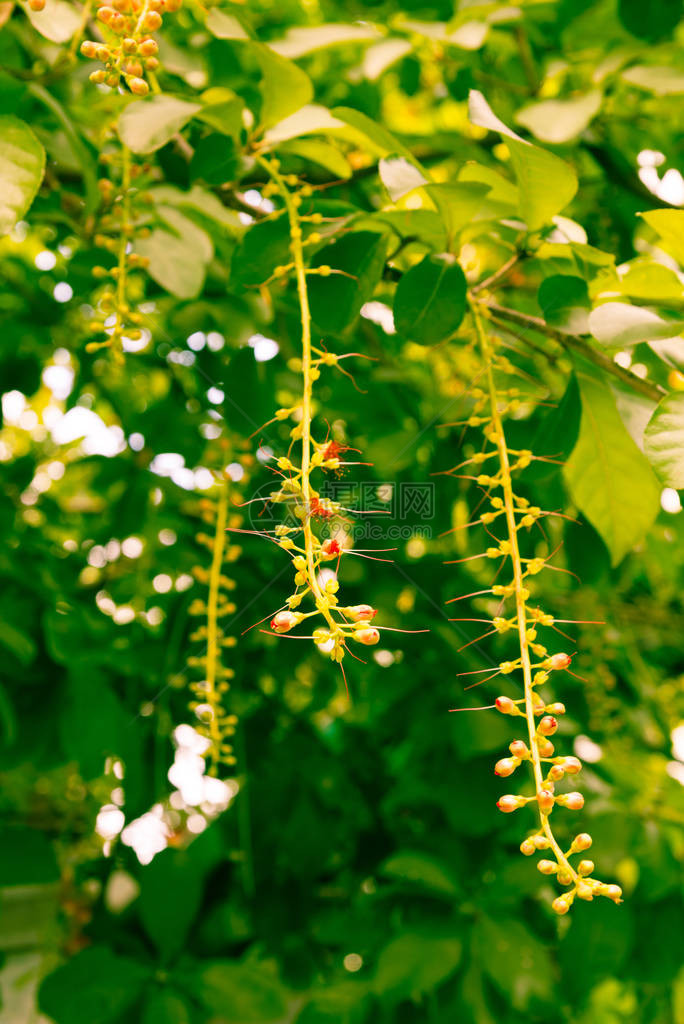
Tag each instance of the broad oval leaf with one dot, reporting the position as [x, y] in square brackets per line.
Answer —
[664, 440]
[302, 40]
[148, 124]
[619, 325]
[400, 176]
[336, 300]
[558, 121]
[564, 300]
[421, 869]
[248, 992]
[546, 183]
[414, 963]
[669, 225]
[609, 479]
[58, 21]
[96, 986]
[224, 25]
[284, 87]
[430, 300]
[662, 81]
[22, 165]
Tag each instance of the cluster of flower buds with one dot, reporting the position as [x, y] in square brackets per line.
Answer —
[533, 660]
[128, 50]
[122, 193]
[213, 721]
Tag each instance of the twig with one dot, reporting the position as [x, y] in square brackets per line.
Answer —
[577, 344]
[498, 274]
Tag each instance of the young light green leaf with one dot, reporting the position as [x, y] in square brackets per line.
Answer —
[22, 165]
[664, 440]
[300, 41]
[609, 479]
[224, 25]
[284, 87]
[421, 869]
[400, 176]
[557, 121]
[375, 138]
[58, 21]
[414, 963]
[321, 153]
[619, 325]
[177, 261]
[430, 300]
[662, 81]
[669, 225]
[546, 183]
[148, 124]
[309, 119]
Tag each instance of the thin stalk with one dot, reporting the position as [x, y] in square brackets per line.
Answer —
[213, 698]
[520, 599]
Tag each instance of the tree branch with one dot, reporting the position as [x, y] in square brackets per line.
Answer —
[577, 344]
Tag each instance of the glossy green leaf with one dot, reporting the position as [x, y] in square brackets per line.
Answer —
[284, 87]
[321, 153]
[609, 479]
[565, 303]
[376, 138]
[249, 992]
[148, 124]
[22, 164]
[264, 247]
[664, 440]
[415, 963]
[96, 985]
[178, 257]
[546, 183]
[516, 961]
[656, 22]
[620, 325]
[336, 300]
[163, 1007]
[167, 921]
[669, 226]
[558, 121]
[430, 300]
[421, 869]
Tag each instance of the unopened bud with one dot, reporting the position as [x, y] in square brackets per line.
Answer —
[367, 636]
[357, 612]
[509, 803]
[284, 621]
[573, 801]
[519, 749]
[547, 867]
[527, 847]
[559, 661]
[506, 706]
[556, 709]
[506, 766]
[561, 905]
[546, 800]
[581, 842]
[585, 867]
[572, 765]
[547, 726]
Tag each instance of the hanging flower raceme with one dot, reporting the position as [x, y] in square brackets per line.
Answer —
[118, 227]
[127, 49]
[213, 721]
[317, 534]
[513, 514]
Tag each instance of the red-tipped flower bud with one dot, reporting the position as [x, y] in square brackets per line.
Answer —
[547, 726]
[574, 801]
[556, 709]
[546, 800]
[572, 765]
[506, 706]
[283, 622]
[506, 766]
[357, 612]
[330, 548]
[545, 746]
[509, 803]
[559, 661]
[556, 772]
[367, 636]
[519, 749]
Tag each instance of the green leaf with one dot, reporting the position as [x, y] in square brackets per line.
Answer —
[546, 183]
[420, 868]
[336, 300]
[214, 160]
[609, 479]
[658, 20]
[620, 325]
[664, 440]
[309, 119]
[249, 992]
[557, 433]
[284, 87]
[414, 963]
[517, 963]
[400, 176]
[649, 281]
[96, 986]
[27, 857]
[58, 21]
[265, 246]
[224, 25]
[167, 921]
[463, 203]
[178, 260]
[669, 225]
[163, 1007]
[597, 943]
[222, 111]
[564, 300]
[22, 164]
[661, 81]
[558, 121]
[430, 300]
[375, 137]
[148, 124]
[322, 153]
[300, 41]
